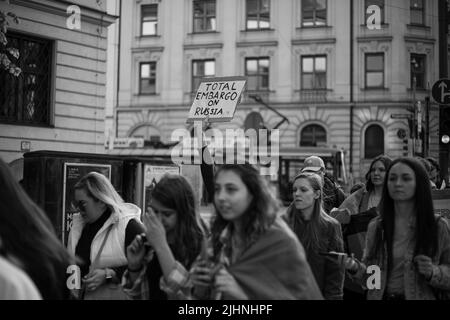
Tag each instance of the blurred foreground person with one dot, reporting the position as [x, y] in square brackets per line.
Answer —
[15, 284]
[100, 233]
[252, 253]
[318, 232]
[28, 240]
[409, 243]
[174, 237]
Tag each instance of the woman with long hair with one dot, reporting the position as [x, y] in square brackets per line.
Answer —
[355, 214]
[100, 233]
[318, 232]
[174, 235]
[409, 243]
[252, 253]
[28, 239]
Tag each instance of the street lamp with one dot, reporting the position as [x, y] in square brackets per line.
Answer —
[414, 66]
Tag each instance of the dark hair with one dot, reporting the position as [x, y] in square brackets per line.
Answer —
[386, 162]
[175, 192]
[29, 238]
[426, 226]
[260, 213]
[426, 164]
[434, 163]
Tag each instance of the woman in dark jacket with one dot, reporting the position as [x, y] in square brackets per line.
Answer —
[318, 232]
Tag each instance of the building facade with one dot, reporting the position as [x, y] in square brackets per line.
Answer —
[58, 101]
[296, 55]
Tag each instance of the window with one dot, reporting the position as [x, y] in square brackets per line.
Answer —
[314, 13]
[417, 12]
[314, 72]
[149, 20]
[26, 99]
[418, 70]
[374, 70]
[373, 141]
[379, 3]
[201, 69]
[147, 78]
[258, 14]
[313, 135]
[204, 15]
[257, 73]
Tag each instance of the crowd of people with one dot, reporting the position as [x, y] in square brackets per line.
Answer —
[320, 247]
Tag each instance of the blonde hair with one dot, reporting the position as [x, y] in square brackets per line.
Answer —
[311, 237]
[98, 187]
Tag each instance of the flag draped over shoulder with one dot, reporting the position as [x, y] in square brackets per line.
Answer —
[275, 267]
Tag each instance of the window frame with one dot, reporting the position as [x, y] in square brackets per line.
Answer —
[366, 71]
[423, 72]
[151, 63]
[314, 11]
[314, 127]
[412, 9]
[371, 147]
[20, 86]
[193, 77]
[258, 74]
[204, 17]
[383, 7]
[314, 73]
[153, 20]
[258, 15]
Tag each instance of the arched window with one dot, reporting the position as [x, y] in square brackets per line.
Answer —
[373, 141]
[254, 120]
[147, 132]
[313, 135]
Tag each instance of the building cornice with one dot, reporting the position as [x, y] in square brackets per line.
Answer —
[146, 49]
[243, 44]
[374, 38]
[89, 15]
[203, 46]
[297, 42]
[420, 39]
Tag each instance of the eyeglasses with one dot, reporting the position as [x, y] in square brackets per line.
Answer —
[80, 206]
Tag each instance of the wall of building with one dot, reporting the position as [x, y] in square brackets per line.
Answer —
[176, 46]
[78, 78]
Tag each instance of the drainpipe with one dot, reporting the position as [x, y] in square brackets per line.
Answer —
[118, 71]
[350, 166]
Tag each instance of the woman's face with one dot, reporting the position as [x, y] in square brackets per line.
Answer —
[377, 174]
[231, 196]
[303, 193]
[167, 216]
[401, 182]
[90, 209]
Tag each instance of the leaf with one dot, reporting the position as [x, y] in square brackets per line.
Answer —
[4, 60]
[14, 52]
[3, 39]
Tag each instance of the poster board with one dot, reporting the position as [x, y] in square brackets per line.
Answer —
[73, 172]
[152, 175]
[216, 99]
[441, 202]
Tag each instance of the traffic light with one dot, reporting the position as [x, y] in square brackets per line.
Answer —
[405, 148]
[444, 125]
